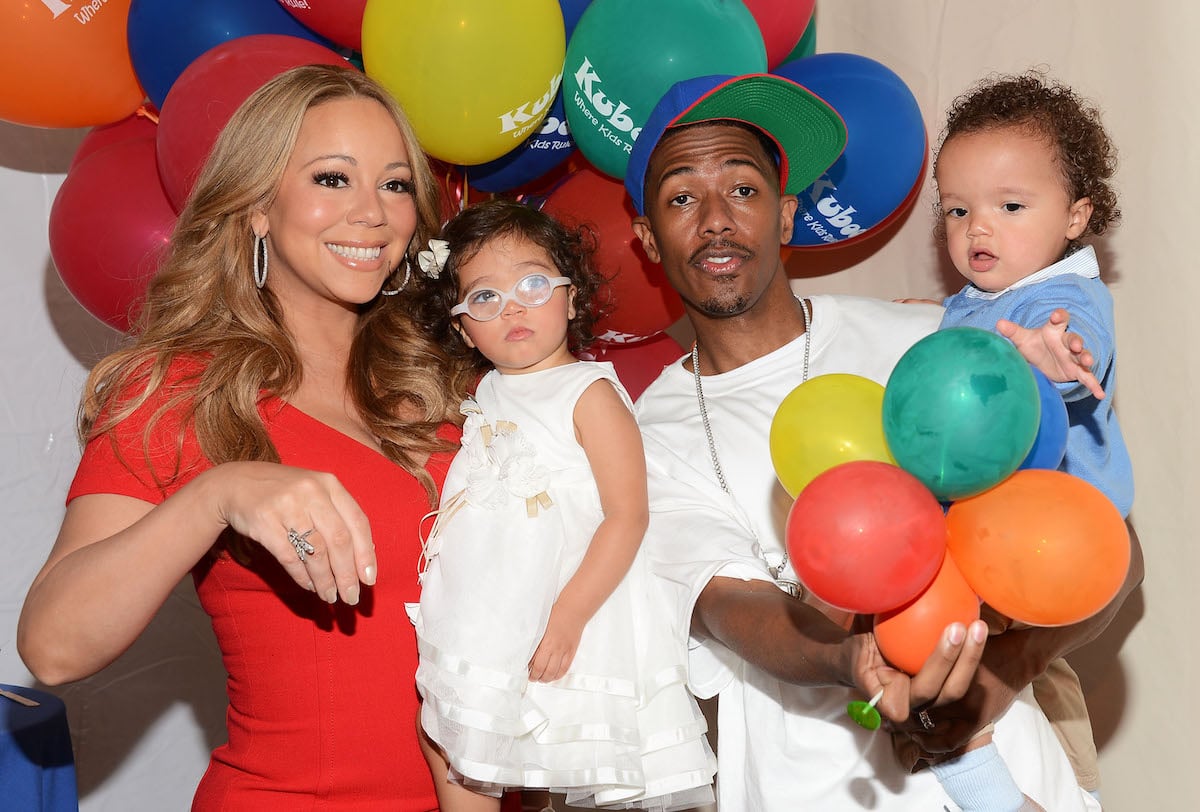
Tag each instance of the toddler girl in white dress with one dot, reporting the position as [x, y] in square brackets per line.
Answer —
[546, 657]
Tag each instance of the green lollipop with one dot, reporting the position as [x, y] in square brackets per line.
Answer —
[864, 713]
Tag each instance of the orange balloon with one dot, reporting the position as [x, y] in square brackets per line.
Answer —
[1042, 547]
[908, 635]
[66, 64]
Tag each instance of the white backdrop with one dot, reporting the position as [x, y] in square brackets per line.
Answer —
[143, 727]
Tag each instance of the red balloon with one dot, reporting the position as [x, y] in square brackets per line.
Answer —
[782, 23]
[339, 21]
[637, 365]
[908, 635]
[643, 301]
[127, 129]
[109, 227]
[1042, 547]
[206, 94]
[457, 191]
[866, 536]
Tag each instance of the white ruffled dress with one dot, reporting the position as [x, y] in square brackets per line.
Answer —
[519, 506]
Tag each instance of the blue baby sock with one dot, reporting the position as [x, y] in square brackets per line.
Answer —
[979, 781]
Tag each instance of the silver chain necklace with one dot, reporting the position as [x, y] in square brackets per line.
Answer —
[793, 588]
[712, 446]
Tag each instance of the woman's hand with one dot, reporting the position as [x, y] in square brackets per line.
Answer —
[119, 557]
[284, 508]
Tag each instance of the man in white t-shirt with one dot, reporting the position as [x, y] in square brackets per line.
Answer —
[712, 177]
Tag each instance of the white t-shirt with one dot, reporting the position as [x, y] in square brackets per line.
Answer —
[783, 746]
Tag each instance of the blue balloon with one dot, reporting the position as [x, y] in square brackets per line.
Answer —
[164, 36]
[572, 10]
[1050, 443]
[544, 150]
[884, 162]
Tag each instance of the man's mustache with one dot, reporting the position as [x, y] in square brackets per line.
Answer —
[722, 247]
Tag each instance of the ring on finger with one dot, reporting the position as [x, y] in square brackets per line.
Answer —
[926, 722]
[299, 542]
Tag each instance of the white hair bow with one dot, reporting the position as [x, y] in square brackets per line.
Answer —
[432, 261]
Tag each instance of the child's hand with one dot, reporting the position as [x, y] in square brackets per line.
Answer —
[1060, 355]
[917, 301]
[556, 652]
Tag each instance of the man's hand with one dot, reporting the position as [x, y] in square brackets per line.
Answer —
[945, 678]
[993, 690]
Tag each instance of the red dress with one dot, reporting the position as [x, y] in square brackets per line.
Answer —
[322, 704]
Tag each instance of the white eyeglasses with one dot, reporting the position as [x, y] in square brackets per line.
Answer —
[485, 304]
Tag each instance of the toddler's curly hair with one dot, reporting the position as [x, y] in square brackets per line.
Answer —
[572, 250]
[1033, 102]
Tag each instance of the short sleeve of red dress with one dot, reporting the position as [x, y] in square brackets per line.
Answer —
[127, 463]
[322, 701]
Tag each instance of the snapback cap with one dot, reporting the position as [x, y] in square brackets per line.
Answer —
[809, 134]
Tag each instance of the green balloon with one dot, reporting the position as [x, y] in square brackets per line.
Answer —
[625, 54]
[961, 411]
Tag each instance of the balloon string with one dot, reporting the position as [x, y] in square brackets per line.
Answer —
[146, 112]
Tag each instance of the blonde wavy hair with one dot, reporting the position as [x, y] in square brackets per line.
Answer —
[203, 305]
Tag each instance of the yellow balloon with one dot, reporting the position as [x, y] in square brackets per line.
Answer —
[476, 77]
[824, 422]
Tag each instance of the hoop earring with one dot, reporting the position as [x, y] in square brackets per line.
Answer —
[403, 285]
[260, 261]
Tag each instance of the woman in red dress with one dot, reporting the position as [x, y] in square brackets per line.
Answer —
[276, 427]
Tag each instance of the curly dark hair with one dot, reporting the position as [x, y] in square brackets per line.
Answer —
[571, 249]
[1045, 107]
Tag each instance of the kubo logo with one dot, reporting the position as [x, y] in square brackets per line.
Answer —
[837, 215]
[555, 126]
[614, 337]
[615, 113]
[56, 7]
[85, 14]
[519, 120]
